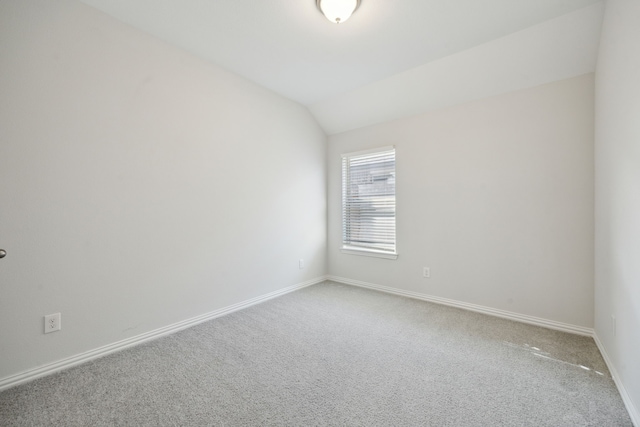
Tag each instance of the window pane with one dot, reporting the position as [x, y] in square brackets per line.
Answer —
[369, 201]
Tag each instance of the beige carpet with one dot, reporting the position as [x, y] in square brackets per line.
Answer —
[335, 355]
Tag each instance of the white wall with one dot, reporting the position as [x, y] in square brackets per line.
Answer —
[139, 186]
[617, 289]
[496, 196]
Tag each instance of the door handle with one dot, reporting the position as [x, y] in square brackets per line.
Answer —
[3, 253]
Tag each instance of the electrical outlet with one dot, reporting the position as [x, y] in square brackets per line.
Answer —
[300, 264]
[426, 272]
[52, 323]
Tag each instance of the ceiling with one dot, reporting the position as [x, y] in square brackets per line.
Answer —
[290, 48]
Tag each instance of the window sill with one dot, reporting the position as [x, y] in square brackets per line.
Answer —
[368, 252]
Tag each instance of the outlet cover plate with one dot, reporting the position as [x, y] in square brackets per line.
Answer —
[52, 323]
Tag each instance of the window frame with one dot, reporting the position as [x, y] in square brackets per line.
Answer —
[362, 250]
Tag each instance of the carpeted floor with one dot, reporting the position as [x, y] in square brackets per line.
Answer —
[335, 355]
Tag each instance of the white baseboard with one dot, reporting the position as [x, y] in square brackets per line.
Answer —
[50, 368]
[633, 412]
[551, 324]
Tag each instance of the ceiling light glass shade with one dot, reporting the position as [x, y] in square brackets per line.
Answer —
[337, 11]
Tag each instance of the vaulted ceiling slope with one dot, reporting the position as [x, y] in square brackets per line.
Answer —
[392, 58]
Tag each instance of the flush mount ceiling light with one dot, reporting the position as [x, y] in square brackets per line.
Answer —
[337, 11]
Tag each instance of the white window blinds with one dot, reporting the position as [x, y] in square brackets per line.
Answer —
[369, 201]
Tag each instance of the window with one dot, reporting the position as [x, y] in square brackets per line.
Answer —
[369, 203]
